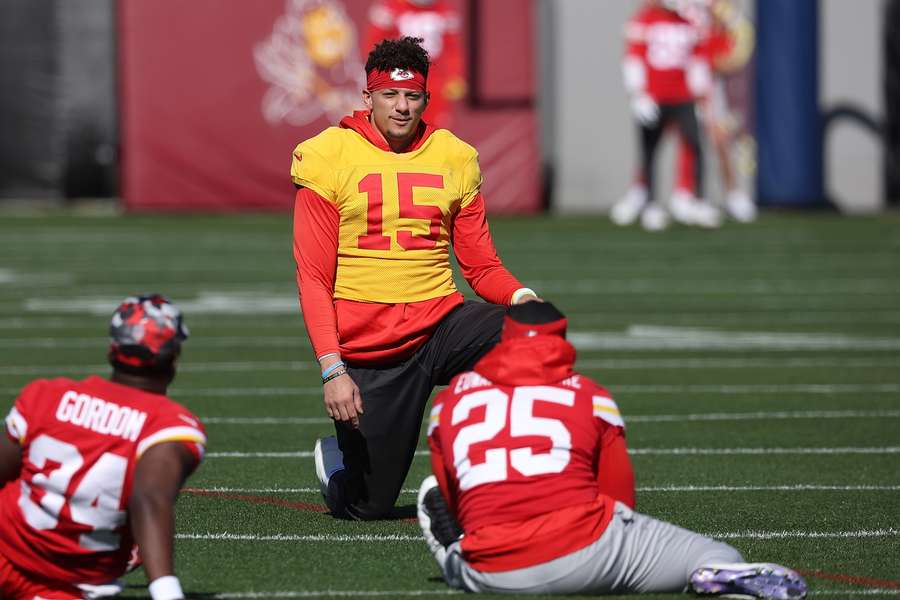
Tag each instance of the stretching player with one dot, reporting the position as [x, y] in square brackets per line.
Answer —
[529, 458]
[93, 467]
[382, 201]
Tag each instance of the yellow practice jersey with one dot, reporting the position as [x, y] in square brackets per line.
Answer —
[396, 210]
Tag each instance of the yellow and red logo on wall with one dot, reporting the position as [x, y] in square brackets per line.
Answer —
[311, 62]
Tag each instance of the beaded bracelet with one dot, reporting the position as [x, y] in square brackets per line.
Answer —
[334, 375]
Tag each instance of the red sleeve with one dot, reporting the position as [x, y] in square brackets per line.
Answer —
[635, 37]
[438, 466]
[316, 224]
[615, 476]
[440, 473]
[477, 256]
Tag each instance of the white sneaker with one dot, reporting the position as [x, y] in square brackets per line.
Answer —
[654, 217]
[681, 205]
[627, 210]
[740, 206]
[329, 460]
[706, 215]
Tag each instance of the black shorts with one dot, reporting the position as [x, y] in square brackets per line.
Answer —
[377, 456]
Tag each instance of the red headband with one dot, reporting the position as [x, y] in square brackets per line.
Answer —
[396, 78]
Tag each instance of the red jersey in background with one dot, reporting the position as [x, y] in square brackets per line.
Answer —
[439, 25]
[666, 55]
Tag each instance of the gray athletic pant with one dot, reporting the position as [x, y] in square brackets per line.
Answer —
[636, 554]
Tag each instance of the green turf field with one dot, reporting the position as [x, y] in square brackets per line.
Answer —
[758, 368]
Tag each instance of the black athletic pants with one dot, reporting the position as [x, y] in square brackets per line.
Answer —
[684, 116]
[377, 456]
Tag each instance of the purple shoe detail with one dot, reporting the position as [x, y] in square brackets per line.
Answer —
[748, 580]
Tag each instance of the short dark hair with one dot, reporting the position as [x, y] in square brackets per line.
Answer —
[405, 53]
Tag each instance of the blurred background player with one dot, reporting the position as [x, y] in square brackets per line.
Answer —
[383, 198]
[438, 24]
[533, 490]
[93, 467]
[730, 46]
[666, 73]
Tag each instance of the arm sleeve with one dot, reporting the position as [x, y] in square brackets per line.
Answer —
[634, 68]
[477, 256]
[316, 223]
[615, 476]
[438, 466]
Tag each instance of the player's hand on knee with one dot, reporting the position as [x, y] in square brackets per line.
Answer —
[342, 400]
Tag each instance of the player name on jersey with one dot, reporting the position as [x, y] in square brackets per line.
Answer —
[470, 380]
[100, 416]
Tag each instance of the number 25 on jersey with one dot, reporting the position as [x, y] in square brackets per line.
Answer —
[519, 415]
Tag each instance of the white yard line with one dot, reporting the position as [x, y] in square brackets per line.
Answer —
[854, 592]
[633, 451]
[265, 420]
[635, 337]
[769, 488]
[671, 418]
[647, 364]
[794, 388]
[449, 592]
[766, 416]
[339, 594]
[381, 538]
[744, 287]
[210, 367]
[285, 537]
[627, 364]
[654, 337]
[642, 489]
[99, 341]
[760, 451]
[706, 319]
[779, 535]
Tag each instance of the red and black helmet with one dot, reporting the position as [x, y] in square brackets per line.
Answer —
[146, 333]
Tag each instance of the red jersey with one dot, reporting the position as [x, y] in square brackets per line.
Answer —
[671, 53]
[529, 454]
[65, 517]
[438, 24]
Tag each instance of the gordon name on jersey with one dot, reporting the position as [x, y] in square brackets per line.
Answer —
[100, 416]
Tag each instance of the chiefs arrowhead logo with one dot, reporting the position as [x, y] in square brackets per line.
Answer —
[401, 75]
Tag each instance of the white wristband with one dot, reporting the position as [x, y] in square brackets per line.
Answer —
[165, 588]
[517, 295]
